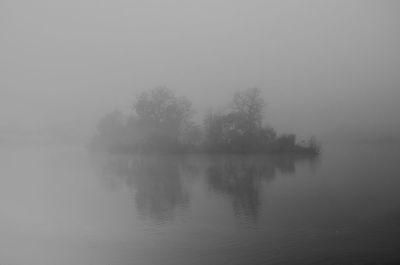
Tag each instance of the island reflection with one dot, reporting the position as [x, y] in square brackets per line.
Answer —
[240, 178]
[157, 181]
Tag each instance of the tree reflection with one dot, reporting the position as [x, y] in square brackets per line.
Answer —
[156, 180]
[158, 186]
[155, 183]
[240, 179]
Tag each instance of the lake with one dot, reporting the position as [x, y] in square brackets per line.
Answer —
[64, 205]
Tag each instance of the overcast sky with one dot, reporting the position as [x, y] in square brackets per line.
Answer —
[325, 67]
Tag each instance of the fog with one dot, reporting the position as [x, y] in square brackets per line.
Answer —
[326, 68]
[199, 132]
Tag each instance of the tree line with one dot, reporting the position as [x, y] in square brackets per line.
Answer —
[162, 122]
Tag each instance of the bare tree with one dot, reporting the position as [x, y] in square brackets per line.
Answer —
[164, 116]
[250, 105]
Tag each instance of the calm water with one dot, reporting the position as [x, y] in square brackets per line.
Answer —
[66, 206]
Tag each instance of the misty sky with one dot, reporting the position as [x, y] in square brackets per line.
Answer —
[325, 67]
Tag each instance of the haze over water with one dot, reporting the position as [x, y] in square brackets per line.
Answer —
[328, 69]
[64, 205]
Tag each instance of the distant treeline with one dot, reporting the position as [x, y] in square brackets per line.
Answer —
[161, 122]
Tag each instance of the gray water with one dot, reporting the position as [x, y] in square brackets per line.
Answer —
[64, 205]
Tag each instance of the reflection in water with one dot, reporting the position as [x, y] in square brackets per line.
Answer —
[158, 210]
[156, 181]
[240, 177]
[158, 186]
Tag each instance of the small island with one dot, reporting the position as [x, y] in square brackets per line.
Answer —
[161, 122]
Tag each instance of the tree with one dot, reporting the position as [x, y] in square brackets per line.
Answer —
[314, 145]
[241, 129]
[191, 136]
[249, 105]
[162, 123]
[163, 115]
[215, 139]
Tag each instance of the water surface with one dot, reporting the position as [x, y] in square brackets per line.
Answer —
[64, 205]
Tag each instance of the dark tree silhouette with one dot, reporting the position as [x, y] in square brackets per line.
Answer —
[161, 122]
[241, 129]
[249, 108]
[164, 117]
[240, 177]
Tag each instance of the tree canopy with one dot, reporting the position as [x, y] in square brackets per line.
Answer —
[163, 116]
[162, 122]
